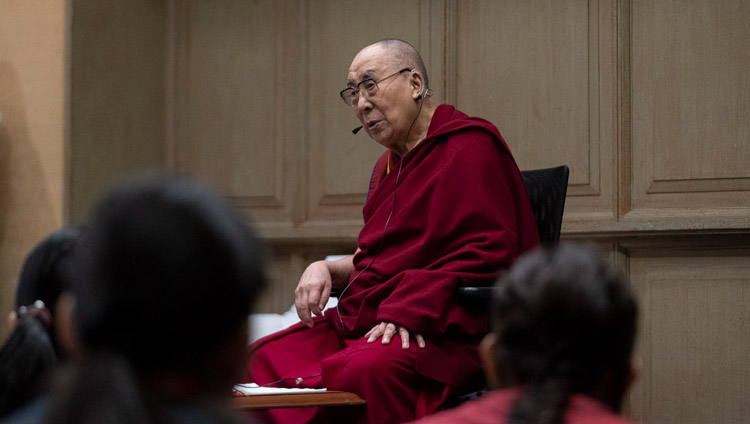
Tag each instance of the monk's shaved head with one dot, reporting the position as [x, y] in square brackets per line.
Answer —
[406, 55]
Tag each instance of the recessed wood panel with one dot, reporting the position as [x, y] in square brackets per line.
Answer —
[544, 73]
[690, 108]
[237, 97]
[693, 342]
[116, 96]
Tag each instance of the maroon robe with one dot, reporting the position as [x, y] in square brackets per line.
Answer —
[458, 215]
[494, 408]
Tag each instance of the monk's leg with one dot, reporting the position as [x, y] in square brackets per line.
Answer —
[292, 358]
[385, 376]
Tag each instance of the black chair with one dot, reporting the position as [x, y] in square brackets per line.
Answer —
[547, 190]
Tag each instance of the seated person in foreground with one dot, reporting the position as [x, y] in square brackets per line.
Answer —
[169, 272]
[447, 207]
[33, 350]
[564, 325]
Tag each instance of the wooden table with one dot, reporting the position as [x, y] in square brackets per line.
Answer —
[296, 400]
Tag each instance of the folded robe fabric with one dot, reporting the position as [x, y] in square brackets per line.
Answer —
[452, 212]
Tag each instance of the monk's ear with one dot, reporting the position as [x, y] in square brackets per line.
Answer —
[416, 85]
[487, 353]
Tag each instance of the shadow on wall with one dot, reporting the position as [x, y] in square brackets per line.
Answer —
[26, 210]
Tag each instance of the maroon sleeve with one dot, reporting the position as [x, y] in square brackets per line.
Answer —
[472, 199]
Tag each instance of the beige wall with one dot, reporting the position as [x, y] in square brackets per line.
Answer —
[32, 57]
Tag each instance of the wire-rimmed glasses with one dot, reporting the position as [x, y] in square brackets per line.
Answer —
[368, 87]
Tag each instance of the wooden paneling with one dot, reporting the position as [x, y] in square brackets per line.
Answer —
[255, 108]
[693, 343]
[237, 101]
[690, 108]
[116, 99]
[544, 73]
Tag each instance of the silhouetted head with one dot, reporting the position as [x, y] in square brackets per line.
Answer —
[170, 272]
[32, 350]
[564, 322]
[49, 270]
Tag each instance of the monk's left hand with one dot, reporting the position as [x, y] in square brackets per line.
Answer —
[388, 329]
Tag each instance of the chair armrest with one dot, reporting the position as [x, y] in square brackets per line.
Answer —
[336, 292]
[474, 293]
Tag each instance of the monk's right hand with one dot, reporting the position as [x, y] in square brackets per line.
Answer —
[313, 291]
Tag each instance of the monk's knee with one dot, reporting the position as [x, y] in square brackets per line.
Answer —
[372, 366]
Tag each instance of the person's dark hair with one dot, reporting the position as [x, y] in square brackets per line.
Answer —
[31, 350]
[170, 269]
[408, 55]
[566, 323]
[169, 272]
[49, 269]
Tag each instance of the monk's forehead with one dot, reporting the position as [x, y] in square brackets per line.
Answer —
[371, 61]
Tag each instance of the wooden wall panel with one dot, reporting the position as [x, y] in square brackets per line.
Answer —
[693, 344]
[116, 96]
[690, 127]
[544, 73]
[237, 101]
[255, 106]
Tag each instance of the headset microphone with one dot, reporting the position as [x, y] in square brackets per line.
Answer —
[356, 130]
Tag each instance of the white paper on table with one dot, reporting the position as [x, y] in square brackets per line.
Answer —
[253, 389]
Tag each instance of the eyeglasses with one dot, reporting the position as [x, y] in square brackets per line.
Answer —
[368, 87]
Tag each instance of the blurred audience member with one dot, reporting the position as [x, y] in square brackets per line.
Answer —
[564, 324]
[169, 272]
[32, 350]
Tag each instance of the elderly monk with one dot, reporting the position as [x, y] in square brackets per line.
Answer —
[447, 207]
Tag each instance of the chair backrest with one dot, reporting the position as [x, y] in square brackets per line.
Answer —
[547, 189]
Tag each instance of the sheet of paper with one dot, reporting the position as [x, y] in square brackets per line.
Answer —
[250, 389]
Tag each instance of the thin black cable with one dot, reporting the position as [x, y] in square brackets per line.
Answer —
[387, 221]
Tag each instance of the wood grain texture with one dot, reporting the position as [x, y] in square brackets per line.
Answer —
[235, 106]
[545, 74]
[116, 97]
[690, 126]
[693, 344]
[296, 400]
